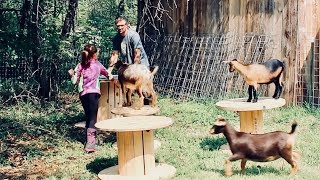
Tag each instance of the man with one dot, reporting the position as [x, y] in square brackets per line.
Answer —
[127, 44]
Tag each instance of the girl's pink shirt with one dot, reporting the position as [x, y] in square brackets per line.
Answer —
[88, 78]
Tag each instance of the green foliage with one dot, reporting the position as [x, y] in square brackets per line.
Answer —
[94, 23]
[18, 91]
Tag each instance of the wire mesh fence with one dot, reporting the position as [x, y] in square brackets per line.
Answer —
[193, 67]
[189, 67]
[308, 76]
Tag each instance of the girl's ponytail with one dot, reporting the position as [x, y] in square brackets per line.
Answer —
[88, 52]
[84, 58]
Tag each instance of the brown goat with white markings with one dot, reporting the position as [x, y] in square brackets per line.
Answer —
[255, 74]
[257, 147]
[135, 77]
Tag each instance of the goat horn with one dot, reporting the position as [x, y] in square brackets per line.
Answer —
[219, 118]
[226, 62]
[220, 122]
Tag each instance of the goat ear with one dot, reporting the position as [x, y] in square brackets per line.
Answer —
[220, 121]
[226, 62]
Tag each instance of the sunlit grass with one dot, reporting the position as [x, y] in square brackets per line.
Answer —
[42, 142]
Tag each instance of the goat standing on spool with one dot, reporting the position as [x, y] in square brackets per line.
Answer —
[135, 77]
[254, 74]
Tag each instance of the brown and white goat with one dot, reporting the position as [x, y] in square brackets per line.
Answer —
[135, 77]
[254, 74]
[257, 147]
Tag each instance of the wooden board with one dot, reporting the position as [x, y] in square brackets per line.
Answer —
[161, 171]
[241, 104]
[148, 147]
[111, 97]
[128, 111]
[130, 153]
[251, 121]
[134, 123]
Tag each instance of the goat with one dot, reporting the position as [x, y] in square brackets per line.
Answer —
[255, 74]
[135, 77]
[257, 147]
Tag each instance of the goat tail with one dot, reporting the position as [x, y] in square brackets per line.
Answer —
[293, 127]
[283, 65]
[283, 69]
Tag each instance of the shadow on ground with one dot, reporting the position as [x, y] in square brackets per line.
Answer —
[253, 170]
[212, 143]
[100, 164]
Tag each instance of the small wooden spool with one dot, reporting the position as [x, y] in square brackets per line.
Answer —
[111, 97]
[251, 114]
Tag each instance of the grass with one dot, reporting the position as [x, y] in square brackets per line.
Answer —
[42, 143]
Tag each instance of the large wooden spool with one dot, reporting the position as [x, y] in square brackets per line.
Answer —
[135, 148]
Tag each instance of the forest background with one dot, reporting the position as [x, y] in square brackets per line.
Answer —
[41, 40]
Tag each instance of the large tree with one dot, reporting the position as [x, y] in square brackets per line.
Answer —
[69, 21]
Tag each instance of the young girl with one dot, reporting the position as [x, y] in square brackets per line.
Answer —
[86, 76]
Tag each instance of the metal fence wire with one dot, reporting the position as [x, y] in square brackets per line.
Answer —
[308, 76]
[193, 67]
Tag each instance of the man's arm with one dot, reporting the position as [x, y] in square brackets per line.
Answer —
[137, 56]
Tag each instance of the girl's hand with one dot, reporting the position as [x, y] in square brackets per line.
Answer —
[71, 72]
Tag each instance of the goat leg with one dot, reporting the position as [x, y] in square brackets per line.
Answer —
[124, 95]
[154, 99]
[228, 168]
[129, 97]
[255, 97]
[243, 165]
[294, 169]
[296, 156]
[276, 94]
[153, 94]
[275, 91]
[139, 90]
[279, 92]
[250, 93]
[288, 156]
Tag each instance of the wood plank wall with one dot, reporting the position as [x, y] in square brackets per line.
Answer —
[291, 23]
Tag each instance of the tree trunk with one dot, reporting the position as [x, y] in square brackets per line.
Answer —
[25, 13]
[70, 18]
[38, 65]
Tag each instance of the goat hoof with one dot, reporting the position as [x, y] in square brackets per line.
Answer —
[254, 100]
[137, 108]
[228, 173]
[249, 100]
